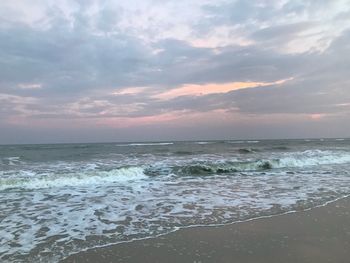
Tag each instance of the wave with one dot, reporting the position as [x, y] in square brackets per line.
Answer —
[183, 153]
[203, 143]
[178, 167]
[246, 150]
[280, 148]
[146, 144]
[15, 160]
[119, 175]
[292, 160]
[240, 142]
[212, 168]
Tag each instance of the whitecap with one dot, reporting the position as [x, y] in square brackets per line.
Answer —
[146, 144]
[74, 179]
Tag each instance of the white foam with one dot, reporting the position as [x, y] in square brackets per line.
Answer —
[74, 179]
[146, 144]
[312, 158]
[236, 142]
[253, 141]
[203, 143]
[98, 210]
[240, 142]
[14, 160]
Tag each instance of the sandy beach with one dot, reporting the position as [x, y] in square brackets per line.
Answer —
[318, 235]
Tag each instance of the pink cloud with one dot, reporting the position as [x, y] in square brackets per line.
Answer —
[200, 90]
[317, 116]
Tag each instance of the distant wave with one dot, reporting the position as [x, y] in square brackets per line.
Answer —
[145, 144]
[246, 150]
[239, 142]
[280, 148]
[204, 142]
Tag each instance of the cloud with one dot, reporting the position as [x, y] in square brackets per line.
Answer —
[119, 62]
[200, 90]
[282, 22]
[282, 32]
[30, 86]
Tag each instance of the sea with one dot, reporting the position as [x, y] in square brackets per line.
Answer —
[59, 199]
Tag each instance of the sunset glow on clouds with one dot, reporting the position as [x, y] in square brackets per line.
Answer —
[106, 70]
[199, 90]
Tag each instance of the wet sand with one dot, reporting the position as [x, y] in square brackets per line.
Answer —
[318, 235]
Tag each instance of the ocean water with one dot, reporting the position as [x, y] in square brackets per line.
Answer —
[59, 199]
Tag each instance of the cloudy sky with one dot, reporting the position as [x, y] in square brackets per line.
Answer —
[94, 70]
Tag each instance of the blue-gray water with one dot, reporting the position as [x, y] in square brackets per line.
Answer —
[58, 199]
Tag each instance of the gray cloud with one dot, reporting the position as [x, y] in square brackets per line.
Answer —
[281, 32]
[68, 59]
[67, 64]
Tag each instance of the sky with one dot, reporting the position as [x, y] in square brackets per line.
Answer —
[153, 70]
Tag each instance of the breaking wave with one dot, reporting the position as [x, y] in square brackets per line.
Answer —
[38, 181]
[32, 180]
[294, 160]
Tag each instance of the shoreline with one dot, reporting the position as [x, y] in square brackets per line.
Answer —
[320, 234]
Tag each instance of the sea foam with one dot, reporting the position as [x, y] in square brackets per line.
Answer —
[73, 179]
